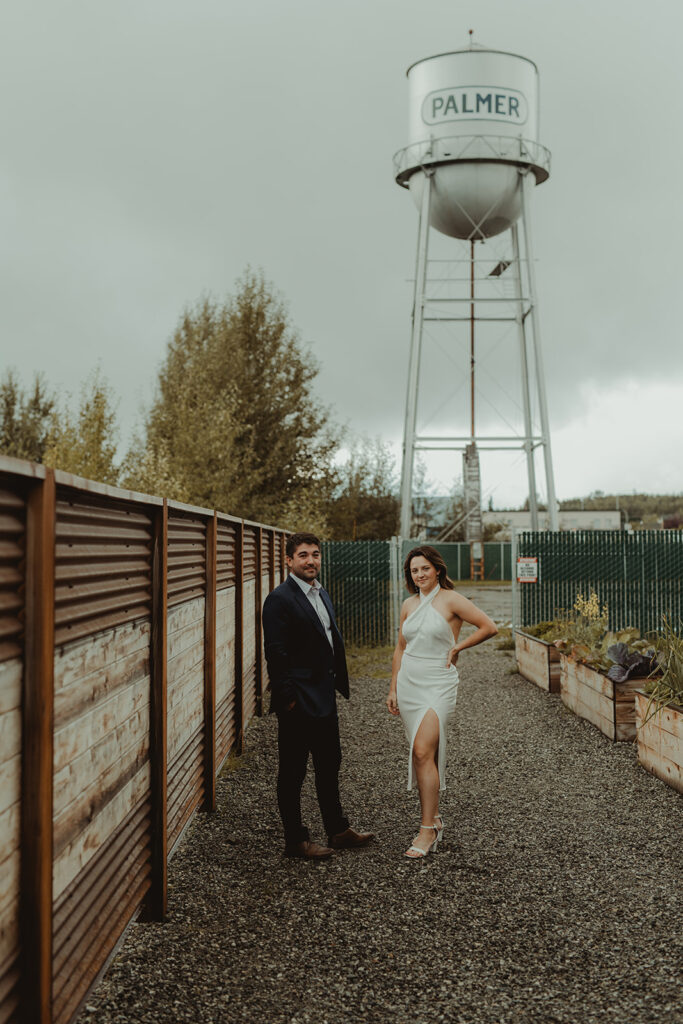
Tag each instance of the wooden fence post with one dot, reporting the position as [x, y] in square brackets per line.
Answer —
[37, 747]
[239, 637]
[258, 627]
[210, 668]
[155, 908]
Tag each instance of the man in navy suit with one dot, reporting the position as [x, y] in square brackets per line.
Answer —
[307, 665]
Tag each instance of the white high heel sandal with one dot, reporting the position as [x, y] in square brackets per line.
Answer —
[418, 852]
[439, 828]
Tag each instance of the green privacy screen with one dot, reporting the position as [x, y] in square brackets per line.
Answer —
[639, 576]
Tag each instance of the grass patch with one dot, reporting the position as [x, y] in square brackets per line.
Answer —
[234, 762]
[372, 662]
[505, 641]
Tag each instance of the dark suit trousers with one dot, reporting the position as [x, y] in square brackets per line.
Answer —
[299, 735]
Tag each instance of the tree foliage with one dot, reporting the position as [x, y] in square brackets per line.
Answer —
[25, 417]
[84, 442]
[235, 424]
[365, 505]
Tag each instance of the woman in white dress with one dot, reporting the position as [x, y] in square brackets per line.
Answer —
[424, 679]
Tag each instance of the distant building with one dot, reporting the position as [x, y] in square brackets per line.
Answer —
[432, 513]
[578, 519]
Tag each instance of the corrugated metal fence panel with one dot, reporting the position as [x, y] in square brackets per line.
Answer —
[102, 779]
[101, 801]
[185, 714]
[102, 565]
[250, 552]
[639, 576]
[12, 549]
[186, 557]
[356, 575]
[99, 904]
[225, 673]
[225, 553]
[265, 550]
[249, 652]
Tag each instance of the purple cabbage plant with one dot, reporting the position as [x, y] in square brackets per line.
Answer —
[630, 663]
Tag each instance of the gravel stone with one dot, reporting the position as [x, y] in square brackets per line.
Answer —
[554, 898]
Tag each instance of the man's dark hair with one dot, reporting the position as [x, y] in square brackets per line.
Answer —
[297, 539]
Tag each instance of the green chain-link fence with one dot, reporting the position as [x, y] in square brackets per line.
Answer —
[497, 558]
[365, 581]
[639, 576]
[357, 575]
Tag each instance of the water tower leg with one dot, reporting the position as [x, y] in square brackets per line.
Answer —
[414, 362]
[526, 396]
[528, 182]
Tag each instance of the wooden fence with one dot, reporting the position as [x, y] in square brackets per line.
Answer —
[131, 661]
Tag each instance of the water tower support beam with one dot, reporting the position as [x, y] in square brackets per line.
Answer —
[528, 183]
[526, 397]
[414, 363]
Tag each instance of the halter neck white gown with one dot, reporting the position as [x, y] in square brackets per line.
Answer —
[423, 681]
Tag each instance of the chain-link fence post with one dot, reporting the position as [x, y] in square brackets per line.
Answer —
[513, 559]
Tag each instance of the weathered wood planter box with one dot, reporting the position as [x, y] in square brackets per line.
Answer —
[608, 705]
[660, 741]
[538, 661]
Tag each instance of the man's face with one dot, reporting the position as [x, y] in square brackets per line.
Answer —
[305, 562]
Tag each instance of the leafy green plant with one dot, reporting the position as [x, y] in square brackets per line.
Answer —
[583, 630]
[598, 655]
[667, 688]
[585, 638]
[547, 630]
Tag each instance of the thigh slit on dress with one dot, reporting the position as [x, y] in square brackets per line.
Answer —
[424, 682]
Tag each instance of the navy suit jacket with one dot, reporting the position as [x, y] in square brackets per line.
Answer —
[302, 665]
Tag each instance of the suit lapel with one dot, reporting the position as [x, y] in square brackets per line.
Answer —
[304, 603]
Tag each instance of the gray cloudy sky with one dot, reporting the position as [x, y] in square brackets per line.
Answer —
[152, 149]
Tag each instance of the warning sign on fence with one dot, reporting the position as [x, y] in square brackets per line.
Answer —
[527, 570]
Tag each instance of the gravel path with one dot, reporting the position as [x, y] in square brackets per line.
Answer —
[555, 896]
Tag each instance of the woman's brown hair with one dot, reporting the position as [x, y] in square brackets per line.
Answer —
[433, 556]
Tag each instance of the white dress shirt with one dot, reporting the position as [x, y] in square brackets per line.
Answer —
[312, 592]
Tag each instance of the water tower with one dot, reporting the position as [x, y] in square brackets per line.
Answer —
[471, 165]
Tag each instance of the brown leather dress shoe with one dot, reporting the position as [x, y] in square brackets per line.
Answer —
[308, 850]
[350, 839]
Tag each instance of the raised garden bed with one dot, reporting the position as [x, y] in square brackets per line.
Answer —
[591, 695]
[538, 661]
[660, 740]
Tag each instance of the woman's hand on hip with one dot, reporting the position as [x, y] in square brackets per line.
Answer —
[392, 702]
[452, 659]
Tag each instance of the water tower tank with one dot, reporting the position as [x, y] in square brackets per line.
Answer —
[474, 122]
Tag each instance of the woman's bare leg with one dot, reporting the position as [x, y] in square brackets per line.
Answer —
[425, 750]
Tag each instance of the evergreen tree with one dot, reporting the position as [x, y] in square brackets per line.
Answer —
[235, 424]
[25, 418]
[85, 443]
